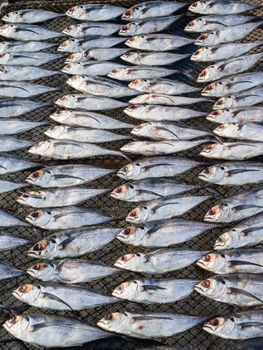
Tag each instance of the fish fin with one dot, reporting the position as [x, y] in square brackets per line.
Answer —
[150, 317]
[54, 297]
[252, 229]
[155, 228]
[246, 206]
[243, 292]
[147, 167]
[61, 176]
[237, 262]
[225, 64]
[251, 324]
[239, 171]
[152, 287]
[169, 131]
[229, 85]
[150, 192]
[63, 244]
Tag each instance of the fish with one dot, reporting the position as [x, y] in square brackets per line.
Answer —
[20, 73]
[26, 32]
[58, 198]
[157, 167]
[148, 26]
[245, 234]
[51, 331]
[28, 59]
[167, 100]
[64, 218]
[226, 35]
[12, 126]
[70, 271]
[157, 113]
[10, 241]
[23, 89]
[66, 175]
[91, 68]
[243, 325]
[216, 22]
[164, 208]
[244, 99]
[252, 344]
[24, 46]
[149, 9]
[73, 243]
[240, 131]
[152, 58]
[92, 42]
[9, 186]
[63, 149]
[55, 297]
[233, 150]
[83, 29]
[149, 189]
[9, 271]
[237, 207]
[155, 148]
[30, 16]
[167, 131]
[162, 86]
[89, 120]
[105, 54]
[95, 12]
[159, 261]
[155, 291]
[162, 234]
[233, 261]
[18, 106]
[214, 7]
[10, 164]
[236, 115]
[140, 72]
[233, 173]
[8, 220]
[71, 133]
[89, 102]
[223, 51]
[10, 144]
[158, 42]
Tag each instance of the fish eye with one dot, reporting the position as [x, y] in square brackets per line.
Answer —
[214, 322]
[118, 190]
[223, 255]
[222, 168]
[53, 240]
[108, 317]
[232, 319]
[195, 4]
[145, 207]
[137, 164]
[36, 267]
[138, 255]
[35, 214]
[205, 283]
[207, 258]
[127, 231]
[131, 186]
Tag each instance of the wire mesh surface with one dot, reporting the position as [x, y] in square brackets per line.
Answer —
[194, 304]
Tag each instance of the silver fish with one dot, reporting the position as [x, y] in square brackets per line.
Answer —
[230, 67]
[10, 164]
[10, 143]
[106, 54]
[81, 30]
[224, 51]
[24, 46]
[152, 58]
[9, 186]
[167, 131]
[162, 86]
[149, 189]
[229, 174]
[63, 149]
[56, 297]
[89, 102]
[8, 220]
[21, 73]
[59, 197]
[25, 32]
[73, 243]
[214, 7]
[9, 271]
[70, 271]
[71, 133]
[162, 234]
[28, 59]
[157, 167]
[236, 289]
[63, 218]
[158, 42]
[100, 86]
[245, 234]
[233, 261]
[216, 22]
[150, 9]
[89, 120]
[243, 325]
[244, 99]
[226, 35]
[167, 100]
[93, 42]
[66, 175]
[247, 131]
[91, 68]
[12, 126]
[148, 26]
[51, 331]
[30, 16]
[164, 208]
[10, 241]
[155, 291]
[237, 115]
[140, 72]
[18, 106]
[95, 12]
[22, 89]
[237, 207]
[161, 113]
[155, 148]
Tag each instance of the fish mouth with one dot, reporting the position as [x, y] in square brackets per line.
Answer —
[201, 38]
[127, 14]
[71, 10]
[203, 175]
[134, 215]
[220, 104]
[213, 214]
[126, 233]
[202, 76]
[189, 26]
[213, 115]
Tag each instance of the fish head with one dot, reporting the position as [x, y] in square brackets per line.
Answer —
[44, 248]
[131, 13]
[68, 45]
[39, 177]
[206, 39]
[227, 130]
[214, 262]
[129, 28]
[211, 89]
[218, 213]
[134, 110]
[130, 56]
[60, 116]
[12, 17]
[229, 239]
[132, 234]
[140, 84]
[70, 29]
[143, 129]
[4, 57]
[207, 74]
[55, 131]
[125, 192]
[195, 25]
[39, 217]
[74, 57]
[221, 326]
[40, 147]
[211, 287]
[212, 151]
[198, 7]
[220, 115]
[130, 171]
[130, 261]
[43, 271]
[16, 325]
[7, 29]
[201, 54]
[75, 11]
[27, 293]
[73, 81]
[135, 40]
[138, 214]
[224, 102]
[115, 72]
[68, 67]
[31, 198]
[65, 101]
[126, 290]
[114, 322]
[213, 173]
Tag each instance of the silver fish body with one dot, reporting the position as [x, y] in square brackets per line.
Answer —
[244, 99]
[28, 59]
[94, 55]
[8, 220]
[18, 106]
[23, 89]
[66, 175]
[10, 164]
[152, 58]
[24, 46]
[162, 86]
[213, 7]
[9, 271]
[21, 73]
[237, 115]
[10, 143]
[166, 100]
[30, 16]
[12, 126]
[95, 12]
[247, 131]
[9, 186]
[83, 29]
[70, 271]
[68, 217]
[93, 42]
[140, 72]
[10, 241]
[91, 68]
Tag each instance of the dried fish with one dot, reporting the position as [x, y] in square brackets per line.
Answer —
[106, 54]
[84, 29]
[10, 144]
[152, 58]
[18, 106]
[24, 46]
[10, 164]
[21, 73]
[167, 100]
[207, 7]
[12, 126]
[10, 241]
[140, 72]
[22, 89]
[244, 99]
[28, 59]
[237, 115]
[30, 16]
[93, 42]
[9, 271]
[8, 220]
[247, 131]
[91, 68]
[95, 12]
[9, 186]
